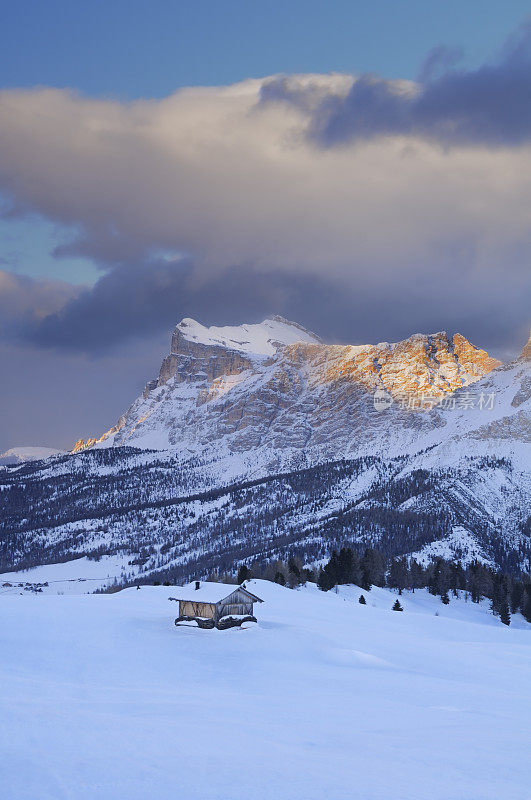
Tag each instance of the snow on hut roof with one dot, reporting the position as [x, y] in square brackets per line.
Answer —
[210, 592]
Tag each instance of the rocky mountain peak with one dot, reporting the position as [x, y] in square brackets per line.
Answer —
[200, 352]
[275, 384]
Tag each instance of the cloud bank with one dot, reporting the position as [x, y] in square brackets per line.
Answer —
[393, 201]
[489, 106]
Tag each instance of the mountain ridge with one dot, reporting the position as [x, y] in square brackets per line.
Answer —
[279, 363]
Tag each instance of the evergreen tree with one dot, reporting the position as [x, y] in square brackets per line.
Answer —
[499, 594]
[457, 577]
[397, 606]
[440, 577]
[365, 582]
[294, 571]
[348, 566]
[308, 575]
[355, 575]
[328, 577]
[417, 575]
[516, 595]
[322, 581]
[279, 578]
[244, 574]
[362, 600]
[445, 599]
[505, 614]
[526, 603]
[398, 577]
[485, 584]
[372, 568]
[479, 581]
[341, 568]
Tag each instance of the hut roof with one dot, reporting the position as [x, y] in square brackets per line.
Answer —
[210, 592]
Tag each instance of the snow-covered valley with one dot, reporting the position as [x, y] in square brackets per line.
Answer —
[102, 696]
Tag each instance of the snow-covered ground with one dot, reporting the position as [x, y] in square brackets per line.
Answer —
[102, 697]
[460, 545]
[78, 576]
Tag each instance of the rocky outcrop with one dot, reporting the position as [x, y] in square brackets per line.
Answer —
[85, 444]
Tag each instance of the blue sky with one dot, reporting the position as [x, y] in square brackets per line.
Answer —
[148, 48]
[366, 208]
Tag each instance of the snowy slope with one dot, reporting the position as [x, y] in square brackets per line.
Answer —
[103, 697]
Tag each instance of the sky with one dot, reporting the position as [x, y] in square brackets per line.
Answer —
[362, 168]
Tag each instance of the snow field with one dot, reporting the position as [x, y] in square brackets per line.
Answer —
[102, 696]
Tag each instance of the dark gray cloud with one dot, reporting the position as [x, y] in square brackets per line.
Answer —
[145, 299]
[25, 301]
[439, 60]
[135, 302]
[488, 106]
[127, 302]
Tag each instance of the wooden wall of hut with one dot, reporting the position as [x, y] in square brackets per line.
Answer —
[187, 608]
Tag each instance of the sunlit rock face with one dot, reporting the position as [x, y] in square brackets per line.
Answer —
[275, 387]
[526, 351]
[419, 365]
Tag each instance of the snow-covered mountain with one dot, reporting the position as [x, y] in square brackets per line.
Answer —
[275, 391]
[258, 440]
[19, 455]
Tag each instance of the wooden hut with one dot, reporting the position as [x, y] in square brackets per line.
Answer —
[216, 605]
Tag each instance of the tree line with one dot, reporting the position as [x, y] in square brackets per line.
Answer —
[443, 578]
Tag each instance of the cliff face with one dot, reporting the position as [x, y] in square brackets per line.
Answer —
[190, 362]
[278, 387]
